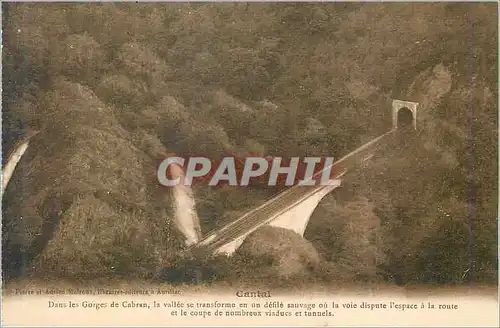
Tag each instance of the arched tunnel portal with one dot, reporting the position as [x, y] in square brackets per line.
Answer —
[404, 113]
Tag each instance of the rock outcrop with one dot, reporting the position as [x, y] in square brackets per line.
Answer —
[83, 201]
[278, 252]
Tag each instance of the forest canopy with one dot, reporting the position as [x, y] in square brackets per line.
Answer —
[129, 82]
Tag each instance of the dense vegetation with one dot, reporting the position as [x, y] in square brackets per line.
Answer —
[113, 87]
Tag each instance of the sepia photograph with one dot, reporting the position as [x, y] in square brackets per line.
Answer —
[250, 163]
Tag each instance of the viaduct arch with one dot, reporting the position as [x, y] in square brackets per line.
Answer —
[293, 208]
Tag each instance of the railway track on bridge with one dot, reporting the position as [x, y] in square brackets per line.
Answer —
[287, 198]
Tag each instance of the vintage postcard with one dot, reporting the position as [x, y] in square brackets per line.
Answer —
[250, 164]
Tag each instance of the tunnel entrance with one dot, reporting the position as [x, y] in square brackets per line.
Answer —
[404, 113]
[405, 117]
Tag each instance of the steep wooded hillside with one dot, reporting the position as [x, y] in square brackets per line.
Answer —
[113, 87]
